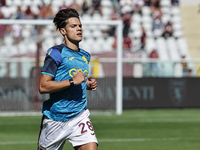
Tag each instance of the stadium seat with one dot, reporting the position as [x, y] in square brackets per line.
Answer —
[3, 51]
[22, 49]
[9, 2]
[56, 3]
[157, 32]
[59, 40]
[149, 33]
[135, 26]
[85, 17]
[122, 2]
[110, 40]
[131, 34]
[47, 32]
[47, 2]
[183, 47]
[27, 2]
[106, 3]
[148, 29]
[103, 27]
[17, 2]
[32, 46]
[92, 27]
[83, 45]
[106, 11]
[165, 3]
[162, 48]
[147, 26]
[68, 2]
[100, 45]
[137, 34]
[8, 40]
[166, 18]
[150, 44]
[96, 16]
[79, 2]
[12, 50]
[55, 8]
[48, 42]
[175, 11]
[177, 26]
[36, 2]
[136, 18]
[146, 11]
[173, 49]
[97, 33]
[109, 46]
[166, 10]
[136, 45]
[178, 33]
[176, 19]
[126, 8]
[87, 33]
[88, 44]
[13, 9]
[146, 19]
[50, 28]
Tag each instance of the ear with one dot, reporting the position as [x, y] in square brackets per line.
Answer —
[62, 31]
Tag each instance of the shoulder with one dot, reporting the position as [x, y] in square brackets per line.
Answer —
[86, 54]
[57, 49]
[55, 53]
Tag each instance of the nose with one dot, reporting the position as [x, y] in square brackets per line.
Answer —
[79, 28]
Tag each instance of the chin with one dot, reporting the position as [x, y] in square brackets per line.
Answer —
[79, 40]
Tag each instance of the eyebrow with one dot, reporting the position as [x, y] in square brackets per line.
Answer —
[76, 24]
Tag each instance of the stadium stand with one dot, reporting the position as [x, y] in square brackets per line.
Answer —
[169, 48]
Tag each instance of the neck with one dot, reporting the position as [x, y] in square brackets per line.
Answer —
[73, 46]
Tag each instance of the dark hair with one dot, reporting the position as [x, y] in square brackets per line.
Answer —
[60, 20]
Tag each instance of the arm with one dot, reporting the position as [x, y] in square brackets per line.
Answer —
[91, 84]
[47, 85]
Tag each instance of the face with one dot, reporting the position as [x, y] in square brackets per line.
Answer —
[73, 30]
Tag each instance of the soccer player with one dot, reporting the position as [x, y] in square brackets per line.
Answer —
[65, 76]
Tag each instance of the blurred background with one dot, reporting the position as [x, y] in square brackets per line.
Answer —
[160, 48]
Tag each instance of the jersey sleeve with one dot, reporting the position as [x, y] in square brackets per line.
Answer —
[52, 61]
[87, 55]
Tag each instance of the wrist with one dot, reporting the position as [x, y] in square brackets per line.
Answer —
[71, 81]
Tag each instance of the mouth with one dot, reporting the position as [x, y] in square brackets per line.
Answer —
[79, 34]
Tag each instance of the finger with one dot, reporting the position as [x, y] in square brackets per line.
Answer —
[83, 77]
[94, 89]
[90, 78]
[76, 72]
[94, 85]
[93, 81]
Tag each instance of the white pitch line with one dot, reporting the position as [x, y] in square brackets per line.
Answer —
[13, 114]
[18, 143]
[148, 121]
[116, 140]
[149, 139]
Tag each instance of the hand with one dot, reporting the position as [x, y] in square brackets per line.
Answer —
[91, 84]
[78, 77]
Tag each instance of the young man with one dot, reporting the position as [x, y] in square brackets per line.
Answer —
[65, 76]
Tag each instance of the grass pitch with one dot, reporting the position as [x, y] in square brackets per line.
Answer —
[159, 129]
